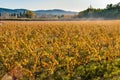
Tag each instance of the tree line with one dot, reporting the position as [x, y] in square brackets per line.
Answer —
[25, 14]
[110, 12]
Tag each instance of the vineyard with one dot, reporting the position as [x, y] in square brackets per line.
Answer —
[66, 50]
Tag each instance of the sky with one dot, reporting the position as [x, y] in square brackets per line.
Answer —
[69, 5]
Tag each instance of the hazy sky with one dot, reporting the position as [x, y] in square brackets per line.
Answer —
[73, 5]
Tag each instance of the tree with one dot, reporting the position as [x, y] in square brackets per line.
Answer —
[6, 15]
[14, 14]
[30, 14]
[117, 6]
[20, 14]
[0, 14]
[109, 6]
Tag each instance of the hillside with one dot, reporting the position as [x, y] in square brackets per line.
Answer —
[38, 12]
[110, 12]
[54, 12]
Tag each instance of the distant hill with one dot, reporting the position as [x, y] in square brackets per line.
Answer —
[110, 12]
[3, 10]
[54, 12]
[38, 12]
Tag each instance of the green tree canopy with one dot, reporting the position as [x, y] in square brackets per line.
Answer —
[30, 14]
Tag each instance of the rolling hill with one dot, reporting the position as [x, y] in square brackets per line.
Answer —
[38, 12]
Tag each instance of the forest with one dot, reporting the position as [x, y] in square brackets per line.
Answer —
[112, 11]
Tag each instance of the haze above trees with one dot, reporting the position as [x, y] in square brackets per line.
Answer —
[110, 12]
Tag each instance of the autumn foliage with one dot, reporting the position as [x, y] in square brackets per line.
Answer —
[76, 50]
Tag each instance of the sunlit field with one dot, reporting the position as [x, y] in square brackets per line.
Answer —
[66, 50]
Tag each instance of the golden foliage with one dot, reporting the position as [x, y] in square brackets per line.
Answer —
[46, 47]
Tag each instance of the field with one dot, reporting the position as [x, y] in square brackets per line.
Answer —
[66, 50]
